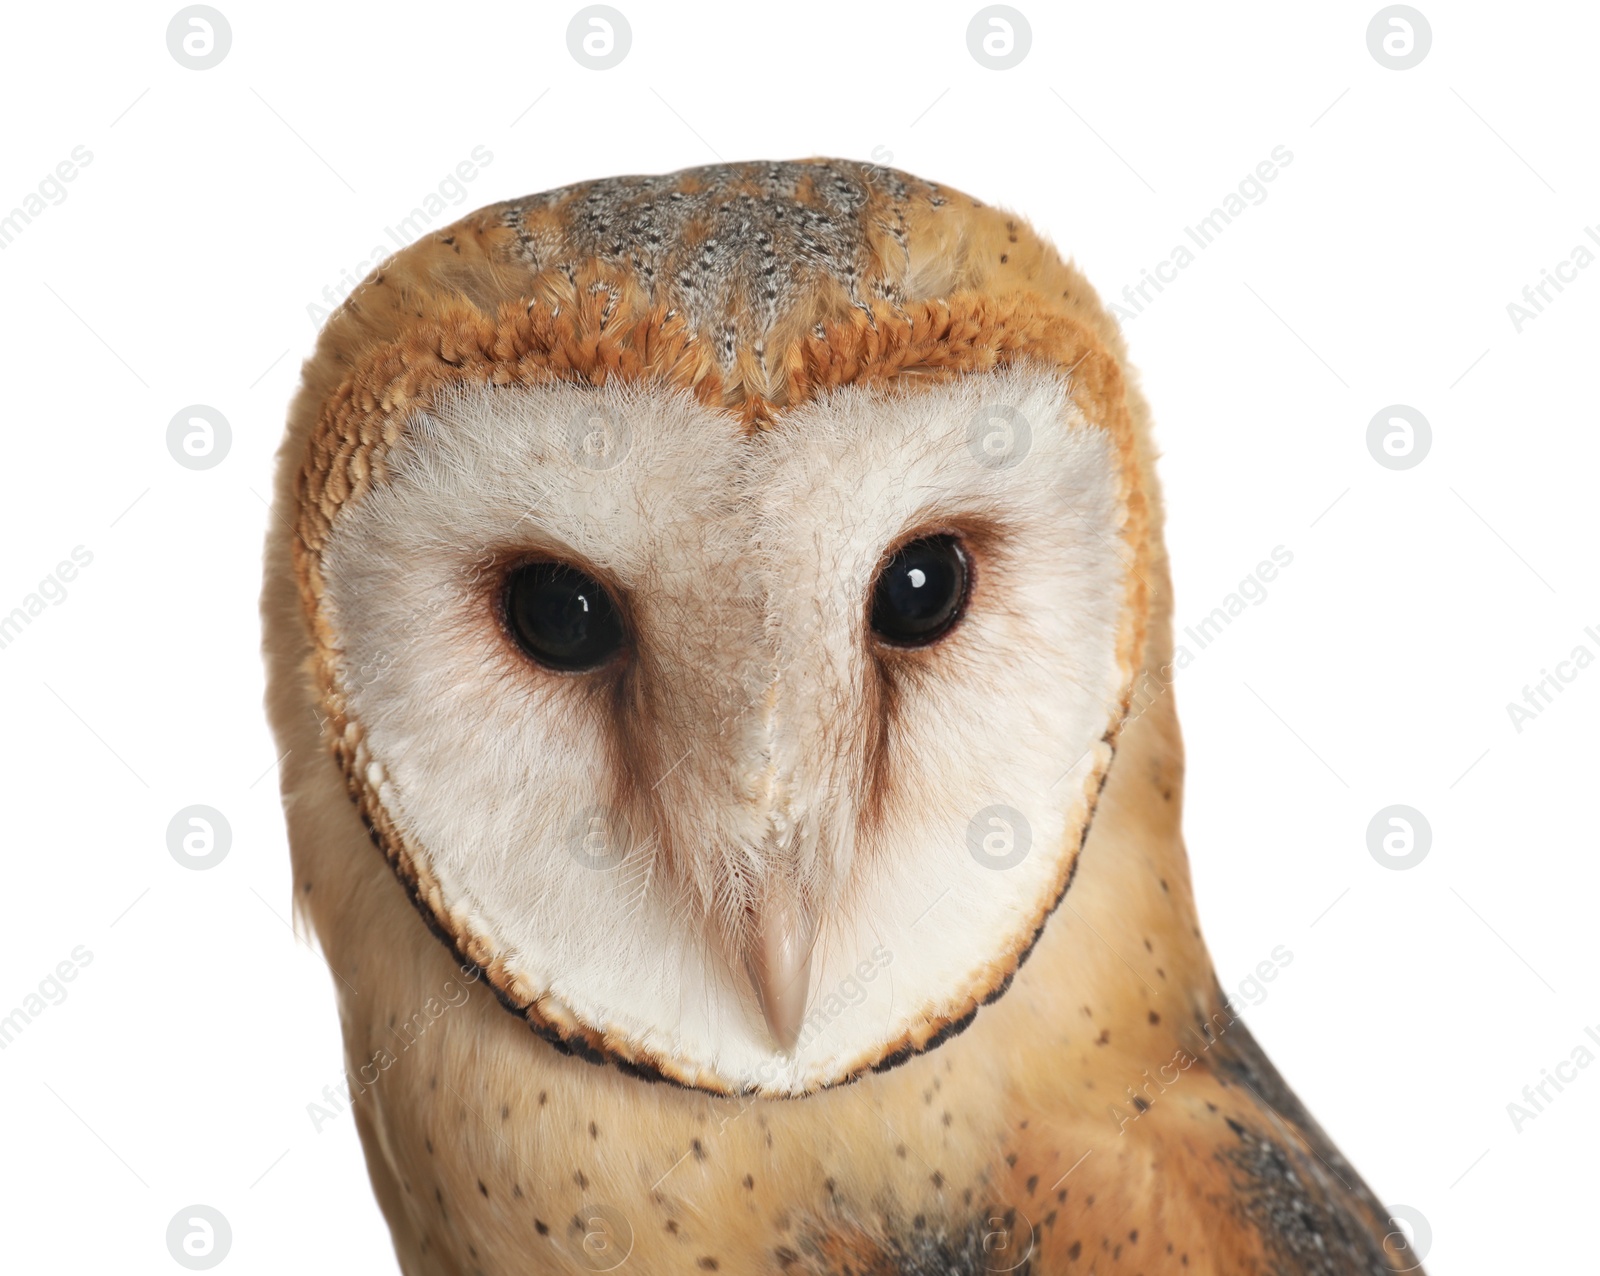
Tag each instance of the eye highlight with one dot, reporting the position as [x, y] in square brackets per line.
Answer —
[921, 592]
[561, 617]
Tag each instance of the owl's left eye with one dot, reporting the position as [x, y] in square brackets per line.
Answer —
[562, 617]
[920, 592]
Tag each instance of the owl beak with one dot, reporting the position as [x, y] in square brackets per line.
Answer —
[778, 961]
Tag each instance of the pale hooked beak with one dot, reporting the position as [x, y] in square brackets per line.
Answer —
[778, 961]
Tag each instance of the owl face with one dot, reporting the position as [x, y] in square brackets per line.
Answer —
[751, 757]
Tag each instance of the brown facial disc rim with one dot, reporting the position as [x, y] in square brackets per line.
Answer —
[918, 343]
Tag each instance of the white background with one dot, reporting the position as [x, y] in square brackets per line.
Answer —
[220, 204]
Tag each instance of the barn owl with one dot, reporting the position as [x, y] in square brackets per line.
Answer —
[733, 605]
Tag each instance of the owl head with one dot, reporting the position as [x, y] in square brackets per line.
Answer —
[722, 595]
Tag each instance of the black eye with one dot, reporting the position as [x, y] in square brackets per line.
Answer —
[561, 617]
[920, 592]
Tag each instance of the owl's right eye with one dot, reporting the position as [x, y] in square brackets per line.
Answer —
[561, 617]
